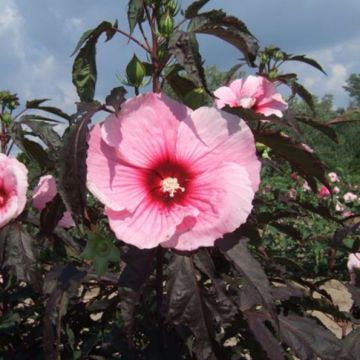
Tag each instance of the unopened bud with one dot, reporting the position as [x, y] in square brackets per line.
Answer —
[135, 72]
[6, 118]
[166, 25]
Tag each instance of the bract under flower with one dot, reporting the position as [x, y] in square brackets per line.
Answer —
[13, 187]
[254, 92]
[43, 193]
[171, 176]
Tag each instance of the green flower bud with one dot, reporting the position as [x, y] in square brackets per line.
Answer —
[100, 251]
[6, 118]
[263, 58]
[171, 6]
[278, 56]
[135, 72]
[273, 74]
[166, 25]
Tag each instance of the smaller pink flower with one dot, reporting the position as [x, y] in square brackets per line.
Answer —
[339, 207]
[350, 197]
[353, 262]
[306, 187]
[347, 213]
[13, 187]
[43, 193]
[324, 192]
[254, 92]
[336, 189]
[333, 177]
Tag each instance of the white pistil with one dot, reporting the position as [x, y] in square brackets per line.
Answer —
[247, 102]
[171, 185]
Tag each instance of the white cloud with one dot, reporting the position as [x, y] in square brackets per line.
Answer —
[339, 62]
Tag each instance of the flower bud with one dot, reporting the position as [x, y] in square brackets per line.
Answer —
[135, 72]
[166, 25]
[171, 6]
[278, 56]
[6, 118]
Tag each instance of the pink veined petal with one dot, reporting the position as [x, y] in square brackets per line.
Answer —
[223, 197]
[15, 179]
[274, 105]
[150, 224]
[209, 137]
[145, 129]
[44, 192]
[252, 86]
[225, 96]
[115, 183]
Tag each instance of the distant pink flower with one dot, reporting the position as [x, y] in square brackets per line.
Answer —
[336, 189]
[347, 213]
[306, 186]
[339, 207]
[171, 176]
[43, 193]
[333, 177]
[353, 262]
[13, 187]
[254, 92]
[324, 192]
[350, 197]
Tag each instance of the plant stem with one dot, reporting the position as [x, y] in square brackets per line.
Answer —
[159, 292]
[133, 39]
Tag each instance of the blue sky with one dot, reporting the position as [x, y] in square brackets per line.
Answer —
[38, 36]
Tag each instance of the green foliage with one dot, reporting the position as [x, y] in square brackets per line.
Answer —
[353, 88]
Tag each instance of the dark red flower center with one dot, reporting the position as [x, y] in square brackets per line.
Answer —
[3, 197]
[169, 181]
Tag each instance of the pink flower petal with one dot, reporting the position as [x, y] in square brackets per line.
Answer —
[13, 187]
[43, 193]
[150, 123]
[149, 225]
[221, 137]
[223, 197]
[226, 96]
[117, 184]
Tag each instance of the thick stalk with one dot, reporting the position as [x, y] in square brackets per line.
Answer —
[159, 292]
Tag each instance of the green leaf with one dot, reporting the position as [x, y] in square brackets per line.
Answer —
[263, 335]
[304, 59]
[35, 104]
[305, 162]
[308, 339]
[351, 344]
[72, 181]
[18, 254]
[139, 265]
[135, 13]
[93, 34]
[43, 130]
[186, 305]
[304, 94]
[36, 152]
[321, 126]
[185, 48]
[84, 72]
[237, 252]
[52, 214]
[194, 8]
[229, 29]
[116, 98]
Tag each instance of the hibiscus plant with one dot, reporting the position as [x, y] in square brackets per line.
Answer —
[163, 230]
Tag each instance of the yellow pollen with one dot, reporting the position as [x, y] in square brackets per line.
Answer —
[171, 185]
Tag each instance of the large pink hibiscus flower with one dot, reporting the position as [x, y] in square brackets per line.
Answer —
[171, 176]
[13, 187]
[43, 193]
[254, 92]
